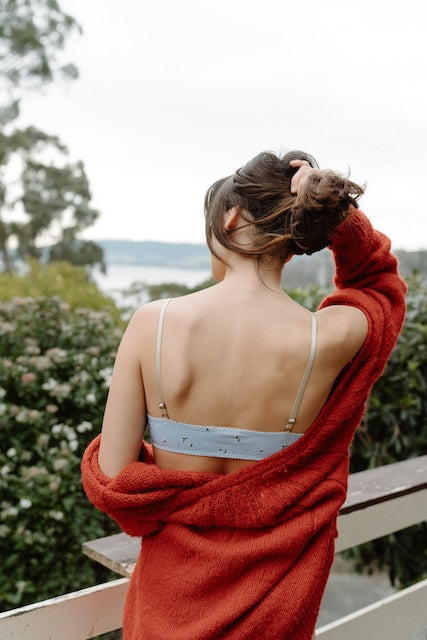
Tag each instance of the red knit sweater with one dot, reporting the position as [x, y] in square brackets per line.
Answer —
[247, 555]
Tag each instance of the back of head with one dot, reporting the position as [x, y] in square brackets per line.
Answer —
[283, 223]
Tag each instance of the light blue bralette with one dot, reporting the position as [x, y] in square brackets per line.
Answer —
[222, 442]
[218, 442]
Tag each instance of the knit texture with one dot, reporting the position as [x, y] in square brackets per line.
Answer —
[247, 555]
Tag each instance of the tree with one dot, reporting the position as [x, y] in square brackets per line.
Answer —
[44, 197]
[47, 201]
[32, 36]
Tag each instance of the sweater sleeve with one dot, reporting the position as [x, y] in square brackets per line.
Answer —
[366, 276]
[118, 497]
[141, 496]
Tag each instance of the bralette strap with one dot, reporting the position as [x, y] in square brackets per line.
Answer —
[292, 418]
[161, 404]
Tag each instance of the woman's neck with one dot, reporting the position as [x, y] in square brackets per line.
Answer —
[252, 273]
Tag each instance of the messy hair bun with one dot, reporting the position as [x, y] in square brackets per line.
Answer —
[284, 223]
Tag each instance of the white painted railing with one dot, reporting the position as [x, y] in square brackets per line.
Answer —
[76, 616]
[379, 502]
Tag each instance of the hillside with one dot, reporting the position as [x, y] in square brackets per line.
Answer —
[156, 254]
[301, 270]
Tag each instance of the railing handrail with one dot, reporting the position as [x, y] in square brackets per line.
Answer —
[369, 511]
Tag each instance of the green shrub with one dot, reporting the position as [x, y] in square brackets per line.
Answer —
[72, 284]
[395, 425]
[55, 366]
[310, 297]
[395, 428]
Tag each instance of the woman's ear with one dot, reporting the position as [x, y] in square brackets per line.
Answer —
[231, 218]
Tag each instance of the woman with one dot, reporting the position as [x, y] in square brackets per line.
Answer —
[252, 402]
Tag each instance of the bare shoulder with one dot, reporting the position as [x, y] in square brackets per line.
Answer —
[147, 311]
[145, 320]
[344, 328]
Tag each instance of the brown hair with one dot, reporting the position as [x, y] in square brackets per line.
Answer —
[284, 223]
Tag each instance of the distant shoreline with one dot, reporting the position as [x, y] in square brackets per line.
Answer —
[159, 262]
[121, 277]
[155, 254]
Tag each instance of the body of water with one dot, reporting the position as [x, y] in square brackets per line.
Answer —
[120, 277]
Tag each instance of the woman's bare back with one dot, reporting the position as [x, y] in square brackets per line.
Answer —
[235, 357]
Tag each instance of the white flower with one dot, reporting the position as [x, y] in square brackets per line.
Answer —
[2, 393]
[73, 444]
[59, 464]
[50, 385]
[20, 585]
[57, 428]
[21, 416]
[61, 390]
[84, 426]
[32, 349]
[5, 470]
[79, 358]
[56, 515]
[33, 472]
[25, 503]
[69, 432]
[43, 440]
[91, 398]
[4, 531]
[3, 408]
[106, 375]
[42, 363]
[11, 453]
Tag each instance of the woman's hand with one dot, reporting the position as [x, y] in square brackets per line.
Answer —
[300, 178]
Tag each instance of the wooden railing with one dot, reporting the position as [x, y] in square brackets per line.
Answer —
[379, 501]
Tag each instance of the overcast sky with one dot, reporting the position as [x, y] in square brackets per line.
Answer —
[175, 94]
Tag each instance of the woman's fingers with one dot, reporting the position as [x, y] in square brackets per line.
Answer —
[299, 163]
[301, 175]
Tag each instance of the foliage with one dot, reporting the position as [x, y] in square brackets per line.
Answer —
[32, 36]
[310, 297]
[55, 367]
[158, 291]
[62, 279]
[395, 428]
[171, 290]
[392, 427]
